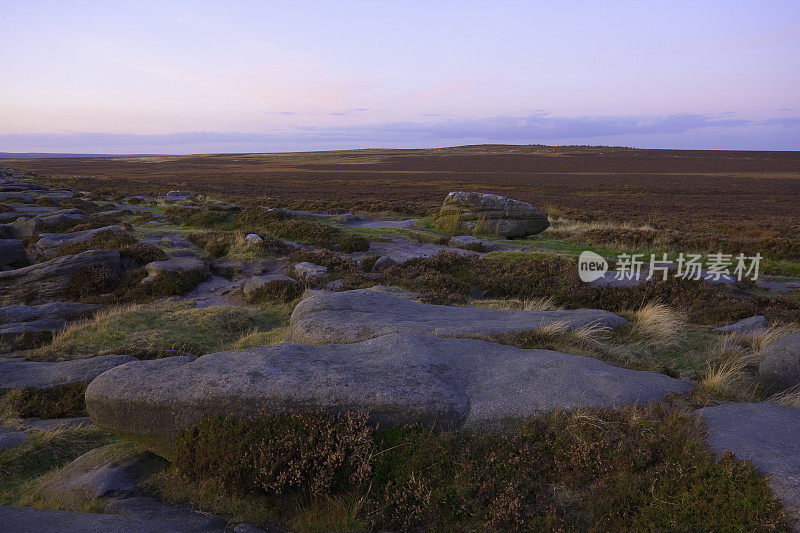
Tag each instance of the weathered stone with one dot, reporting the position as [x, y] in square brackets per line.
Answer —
[492, 213]
[745, 325]
[382, 262]
[186, 265]
[396, 292]
[253, 239]
[780, 363]
[29, 520]
[21, 374]
[397, 379]
[100, 473]
[24, 326]
[169, 517]
[44, 282]
[335, 285]
[26, 226]
[11, 251]
[467, 242]
[50, 242]
[252, 285]
[766, 434]
[16, 197]
[352, 316]
[310, 271]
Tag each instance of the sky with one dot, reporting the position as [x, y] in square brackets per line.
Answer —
[258, 76]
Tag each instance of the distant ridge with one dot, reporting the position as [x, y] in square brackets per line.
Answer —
[44, 155]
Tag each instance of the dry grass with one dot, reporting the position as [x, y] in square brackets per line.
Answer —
[789, 397]
[656, 324]
[564, 228]
[727, 380]
[449, 223]
[533, 304]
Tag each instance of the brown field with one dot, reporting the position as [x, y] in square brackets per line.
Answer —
[730, 193]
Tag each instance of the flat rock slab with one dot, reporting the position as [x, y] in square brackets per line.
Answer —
[45, 282]
[21, 374]
[352, 316]
[769, 436]
[397, 379]
[745, 325]
[53, 241]
[28, 520]
[11, 251]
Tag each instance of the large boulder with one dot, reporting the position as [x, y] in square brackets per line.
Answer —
[352, 316]
[766, 434]
[50, 242]
[493, 214]
[59, 220]
[780, 365]
[44, 282]
[11, 251]
[397, 379]
[18, 373]
[24, 326]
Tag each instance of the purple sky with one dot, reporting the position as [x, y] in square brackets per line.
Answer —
[238, 76]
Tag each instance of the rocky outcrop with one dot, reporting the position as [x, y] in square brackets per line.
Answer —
[397, 379]
[491, 213]
[780, 363]
[467, 242]
[24, 326]
[21, 374]
[59, 220]
[12, 251]
[767, 435]
[45, 282]
[310, 271]
[352, 316]
[183, 265]
[50, 242]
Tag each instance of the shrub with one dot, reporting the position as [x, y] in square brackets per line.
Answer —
[91, 280]
[198, 218]
[103, 240]
[139, 254]
[276, 291]
[304, 231]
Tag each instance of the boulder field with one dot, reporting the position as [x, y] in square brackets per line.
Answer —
[397, 379]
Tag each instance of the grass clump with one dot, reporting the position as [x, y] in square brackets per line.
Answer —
[234, 245]
[303, 231]
[149, 330]
[276, 291]
[635, 468]
[59, 402]
[196, 216]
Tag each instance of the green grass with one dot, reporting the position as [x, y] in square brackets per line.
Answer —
[639, 468]
[60, 402]
[42, 453]
[149, 330]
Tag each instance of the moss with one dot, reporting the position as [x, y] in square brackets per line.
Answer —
[636, 468]
[59, 402]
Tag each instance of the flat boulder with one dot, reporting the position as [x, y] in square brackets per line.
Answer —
[251, 286]
[492, 213]
[50, 242]
[24, 326]
[18, 373]
[57, 221]
[780, 363]
[46, 281]
[352, 316]
[11, 251]
[184, 265]
[397, 379]
[310, 271]
[766, 434]
[467, 242]
[745, 325]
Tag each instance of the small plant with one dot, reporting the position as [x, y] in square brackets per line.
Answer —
[657, 324]
[59, 402]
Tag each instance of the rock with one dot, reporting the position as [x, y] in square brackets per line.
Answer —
[185, 265]
[397, 379]
[745, 326]
[335, 285]
[171, 518]
[470, 243]
[395, 292]
[29, 520]
[100, 473]
[16, 197]
[253, 239]
[383, 261]
[178, 195]
[352, 316]
[252, 285]
[766, 434]
[780, 363]
[11, 251]
[59, 220]
[227, 269]
[44, 282]
[310, 271]
[9, 216]
[49, 242]
[11, 437]
[24, 326]
[21, 374]
[496, 214]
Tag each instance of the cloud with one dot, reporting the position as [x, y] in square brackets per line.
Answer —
[539, 127]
